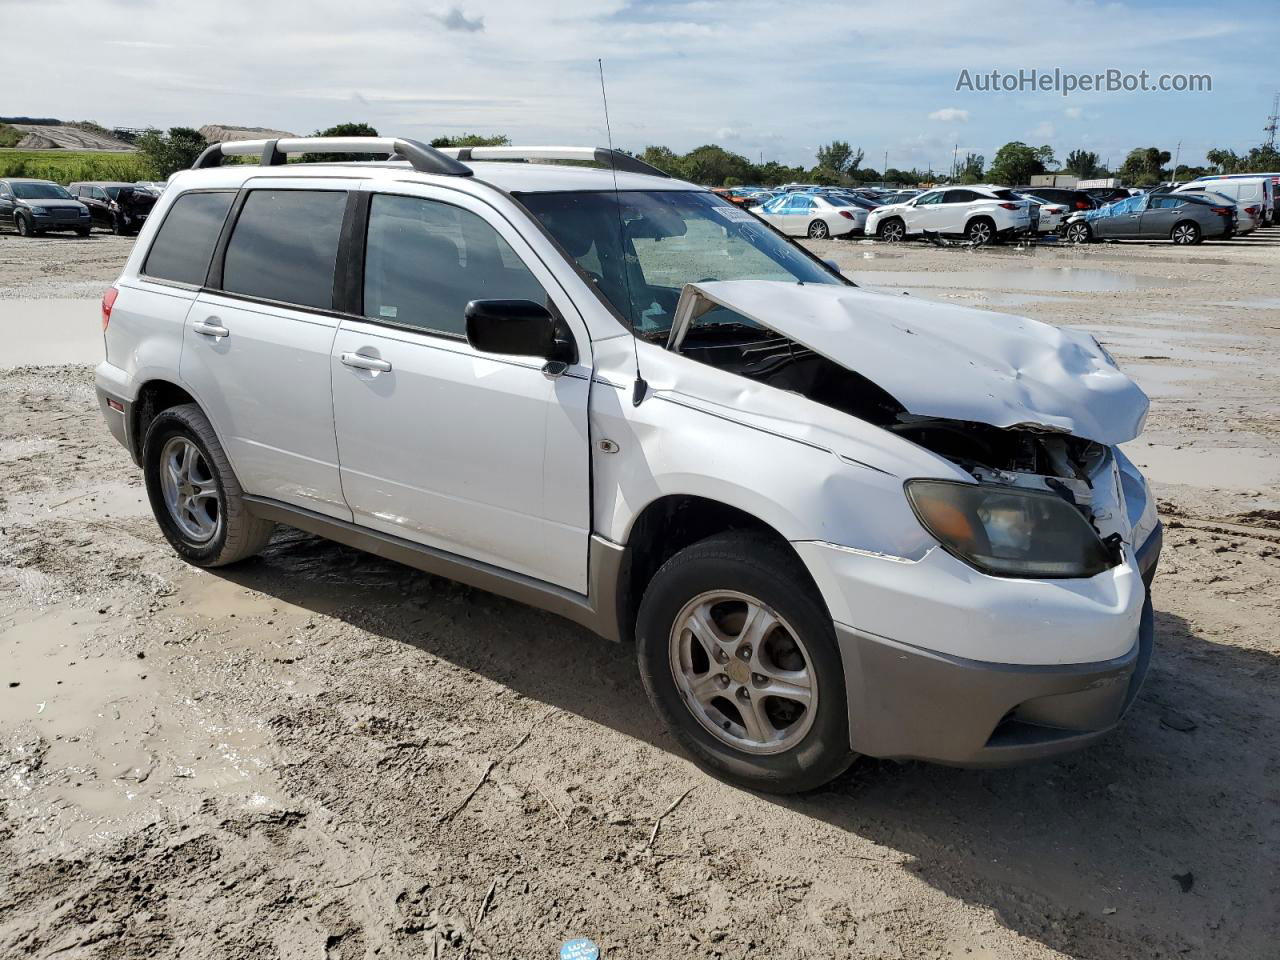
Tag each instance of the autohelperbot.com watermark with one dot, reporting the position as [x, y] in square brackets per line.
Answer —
[1066, 82]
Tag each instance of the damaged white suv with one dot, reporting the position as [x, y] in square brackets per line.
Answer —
[833, 522]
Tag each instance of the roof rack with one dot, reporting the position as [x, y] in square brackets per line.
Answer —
[615, 159]
[272, 153]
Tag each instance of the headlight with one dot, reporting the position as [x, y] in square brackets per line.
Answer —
[40, 211]
[1008, 531]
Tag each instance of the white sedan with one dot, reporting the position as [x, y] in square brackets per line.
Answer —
[813, 215]
[1051, 215]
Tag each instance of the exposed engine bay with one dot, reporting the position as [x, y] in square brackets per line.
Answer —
[1028, 456]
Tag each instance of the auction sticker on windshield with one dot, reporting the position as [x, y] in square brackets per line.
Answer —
[736, 214]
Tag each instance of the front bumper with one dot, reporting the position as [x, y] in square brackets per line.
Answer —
[909, 703]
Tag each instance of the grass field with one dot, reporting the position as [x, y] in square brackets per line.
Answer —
[65, 166]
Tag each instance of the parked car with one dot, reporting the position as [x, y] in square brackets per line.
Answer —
[1248, 188]
[1251, 194]
[1247, 217]
[812, 215]
[118, 207]
[1073, 200]
[1046, 217]
[1181, 218]
[33, 207]
[898, 196]
[832, 521]
[981, 214]
[1105, 195]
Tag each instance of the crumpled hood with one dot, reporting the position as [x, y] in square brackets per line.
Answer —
[940, 360]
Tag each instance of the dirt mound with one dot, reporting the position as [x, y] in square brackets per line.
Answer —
[219, 133]
[50, 137]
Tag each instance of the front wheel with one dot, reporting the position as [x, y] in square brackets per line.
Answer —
[818, 230]
[25, 228]
[892, 231]
[739, 658]
[82, 231]
[1185, 234]
[194, 494]
[1079, 233]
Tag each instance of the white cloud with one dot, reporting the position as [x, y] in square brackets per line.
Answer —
[1043, 129]
[950, 114]
[1074, 113]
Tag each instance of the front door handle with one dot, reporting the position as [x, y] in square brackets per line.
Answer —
[362, 362]
[211, 328]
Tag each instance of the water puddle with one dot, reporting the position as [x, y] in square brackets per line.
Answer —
[1055, 279]
[39, 332]
[1227, 468]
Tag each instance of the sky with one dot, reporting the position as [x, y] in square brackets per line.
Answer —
[772, 79]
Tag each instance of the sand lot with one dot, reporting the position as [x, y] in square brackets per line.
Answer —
[319, 754]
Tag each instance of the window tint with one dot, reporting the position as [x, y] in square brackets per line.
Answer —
[426, 260]
[928, 199]
[959, 196]
[284, 246]
[1003, 194]
[184, 245]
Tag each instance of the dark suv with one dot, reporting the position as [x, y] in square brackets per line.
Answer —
[119, 207]
[1073, 200]
[34, 206]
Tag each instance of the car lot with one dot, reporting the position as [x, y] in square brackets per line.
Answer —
[326, 751]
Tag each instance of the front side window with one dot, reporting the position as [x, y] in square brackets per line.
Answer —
[40, 191]
[929, 199]
[640, 248]
[285, 245]
[426, 260]
[184, 245]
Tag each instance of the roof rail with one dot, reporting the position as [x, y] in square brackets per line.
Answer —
[614, 159]
[272, 153]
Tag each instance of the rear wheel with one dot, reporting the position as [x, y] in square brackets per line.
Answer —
[818, 230]
[980, 231]
[892, 230]
[194, 494]
[1078, 233]
[1185, 233]
[739, 658]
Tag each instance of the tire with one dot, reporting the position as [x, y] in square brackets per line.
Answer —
[24, 226]
[230, 533]
[83, 231]
[818, 230]
[1185, 233]
[892, 230]
[117, 227]
[732, 576]
[1078, 233]
[980, 231]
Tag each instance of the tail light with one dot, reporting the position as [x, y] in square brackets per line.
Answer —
[1011, 206]
[1251, 211]
[1082, 204]
[108, 301]
[846, 214]
[1221, 211]
[1055, 210]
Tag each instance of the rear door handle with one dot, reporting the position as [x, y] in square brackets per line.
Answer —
[362, 362]
[211, 328]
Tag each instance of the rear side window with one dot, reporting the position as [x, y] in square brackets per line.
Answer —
[184, 245]
[1004, 194]
[284, 246]
[426, 260]
[961, 196]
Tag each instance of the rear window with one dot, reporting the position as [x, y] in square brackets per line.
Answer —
[184, 245]
[285, 245]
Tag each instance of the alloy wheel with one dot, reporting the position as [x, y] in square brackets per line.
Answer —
[1078, 233]
[743, 672]
[980, 232]
[892, 232]
[1184, 233]
[190, 490]
[818, 230]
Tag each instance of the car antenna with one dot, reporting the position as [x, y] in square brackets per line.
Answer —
[640, 388]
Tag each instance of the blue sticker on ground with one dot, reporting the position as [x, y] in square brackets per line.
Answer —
[579, 948]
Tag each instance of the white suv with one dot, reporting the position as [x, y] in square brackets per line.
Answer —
[832, 521]
[980, 214]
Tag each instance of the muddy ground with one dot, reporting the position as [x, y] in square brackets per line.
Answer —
[320, 754]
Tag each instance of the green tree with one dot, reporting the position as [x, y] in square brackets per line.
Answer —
[710, 164]
[344, 130]
[1015, 164]
[971, 168]
[1144, 166]
[473, 140]
[664, 158]
[839, 157]
[1262, 159]
[1045, 155]
[167, 153]
[1083, 163]
[1227, 161]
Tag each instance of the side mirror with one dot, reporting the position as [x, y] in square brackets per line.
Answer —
[519, 328]
[833, 266]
